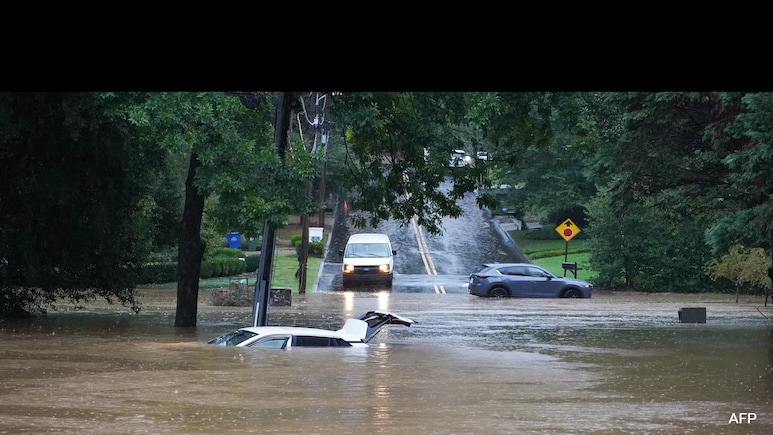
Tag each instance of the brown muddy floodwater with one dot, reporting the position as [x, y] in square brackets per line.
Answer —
[614, 364]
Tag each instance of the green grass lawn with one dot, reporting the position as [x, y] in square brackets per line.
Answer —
[553, 264]
[284, 265]
[551, 253]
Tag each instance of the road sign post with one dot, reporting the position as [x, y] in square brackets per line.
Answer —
[567, 230]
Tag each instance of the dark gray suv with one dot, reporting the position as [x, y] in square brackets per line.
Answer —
[526, 281]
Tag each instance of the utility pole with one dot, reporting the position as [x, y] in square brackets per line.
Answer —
[263, 285]
[323, 175]
[317, 124]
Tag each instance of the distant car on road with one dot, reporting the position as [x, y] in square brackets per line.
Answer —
[355, 333]
[459, 158]
[524, 280]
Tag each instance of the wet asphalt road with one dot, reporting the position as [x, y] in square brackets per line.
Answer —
[425, 263]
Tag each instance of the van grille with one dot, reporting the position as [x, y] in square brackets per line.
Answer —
[366, 270]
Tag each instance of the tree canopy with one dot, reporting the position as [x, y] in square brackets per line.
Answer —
[76, 210]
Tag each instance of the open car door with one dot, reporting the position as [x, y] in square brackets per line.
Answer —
[377, 319]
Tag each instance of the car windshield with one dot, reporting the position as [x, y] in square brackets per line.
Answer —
[366, 250]
[232, 338]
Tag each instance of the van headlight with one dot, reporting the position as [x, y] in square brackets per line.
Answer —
[384, 268]
[348, 268]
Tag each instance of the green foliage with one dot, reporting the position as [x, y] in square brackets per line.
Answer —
[576, 212]
[388, 172]
[742, 266]
[689, 156]
[228, 253]
[642, 250]
[667, 152]
[751, 178]
[252, 263]
[82, 198]
[222, 266]
[207, 270]
[316, 249]
[154, 273]
[552, 155]
[550, 234]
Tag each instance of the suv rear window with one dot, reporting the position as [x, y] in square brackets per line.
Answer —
[481, 268]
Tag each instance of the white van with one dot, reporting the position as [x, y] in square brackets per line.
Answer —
[368, 257]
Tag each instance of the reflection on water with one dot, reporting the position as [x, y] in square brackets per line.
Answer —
[470, 365]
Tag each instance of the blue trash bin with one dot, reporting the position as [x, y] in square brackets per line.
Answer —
[234, 240]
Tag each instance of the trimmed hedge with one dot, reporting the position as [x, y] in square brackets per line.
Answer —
[228, 253]
[221, 266]
[153, 273]
[252, 263]
[156, 273]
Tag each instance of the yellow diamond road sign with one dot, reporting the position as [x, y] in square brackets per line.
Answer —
[567, 230]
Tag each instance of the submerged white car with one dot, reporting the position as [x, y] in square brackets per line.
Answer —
[355, 333]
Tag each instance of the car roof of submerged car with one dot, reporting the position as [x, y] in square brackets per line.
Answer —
[298, 330]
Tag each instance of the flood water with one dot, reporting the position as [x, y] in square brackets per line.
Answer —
[613, 364]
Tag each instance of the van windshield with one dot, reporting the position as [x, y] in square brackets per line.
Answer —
[366, 250]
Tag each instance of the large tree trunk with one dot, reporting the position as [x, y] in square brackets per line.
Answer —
[190, 251]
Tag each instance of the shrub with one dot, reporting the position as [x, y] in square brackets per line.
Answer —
[206, 270]
[252, 263]
[316, 249]
[221, 266]
[236, 266]
[152, 273]
[227, 253]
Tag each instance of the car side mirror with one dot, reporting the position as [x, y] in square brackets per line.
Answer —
[341, 252]
[394, 252]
